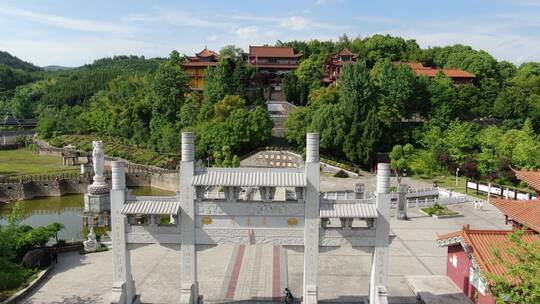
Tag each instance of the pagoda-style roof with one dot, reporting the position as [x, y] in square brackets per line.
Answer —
[532, 178]
[203, 58]
[524, 212]
[345, 52]
[273, 52]
[207, 53]
[430, 72]
[481, 243]
[249, 177]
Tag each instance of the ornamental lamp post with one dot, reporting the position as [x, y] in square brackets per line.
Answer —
[457, 176]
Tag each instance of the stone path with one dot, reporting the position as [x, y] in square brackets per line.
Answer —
[255, 272]
[343, 275]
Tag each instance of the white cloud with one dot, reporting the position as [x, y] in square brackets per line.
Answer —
[272, 34]
[322, 2]
[295, 23]
[292, 22]
[212, 37]
[527, 2]
[246, 32]
[512, 37]
[65, 22]
[378, 20]
[180, 18]
[306, 11]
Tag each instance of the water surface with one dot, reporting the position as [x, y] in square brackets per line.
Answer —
[67, 210]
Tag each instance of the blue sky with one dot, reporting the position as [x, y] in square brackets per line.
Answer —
[73, 33]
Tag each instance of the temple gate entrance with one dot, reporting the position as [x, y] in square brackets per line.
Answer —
[248, 206]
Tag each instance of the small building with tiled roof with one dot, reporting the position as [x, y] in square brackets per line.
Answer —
[532, 178]
[458, 76]
[520, 213]
[334, 64]
[195, 67]
[471, 257]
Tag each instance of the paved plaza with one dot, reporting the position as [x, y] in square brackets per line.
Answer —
[231, 274]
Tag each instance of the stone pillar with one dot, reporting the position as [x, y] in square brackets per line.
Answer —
[312, 225]
[123, 284]
[188, 263]
[401, 205]
[359, 191]
[379, 264]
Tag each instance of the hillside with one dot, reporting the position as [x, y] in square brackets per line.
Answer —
[55, 68]
[14, 62]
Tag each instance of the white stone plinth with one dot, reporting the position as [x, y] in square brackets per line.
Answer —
[96, 203]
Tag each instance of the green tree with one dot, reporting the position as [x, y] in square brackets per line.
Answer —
[460, 139]
[170, 84]
[55, 228]
[235, 161]
[291, 88]
[520, 282]
[380, 47]
[357, 95]
[295, 126]
[400, 159]
[423, 163]
[224, 107]
[217, 83]
[310, 72]
[489, 141]
[231, 51]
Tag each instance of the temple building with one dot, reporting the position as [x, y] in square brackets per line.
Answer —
[272, 62]
[532, 178]
[195, 67]
[274, 59]
[334, 64]
[458, 76]
[470, 252]
[520, 213]
[470, 258]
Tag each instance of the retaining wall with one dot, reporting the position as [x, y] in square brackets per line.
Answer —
[57, 186]
[166, 181]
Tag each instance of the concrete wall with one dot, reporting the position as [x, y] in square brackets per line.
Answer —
[166, 181]
[54, 186]
[138, 179]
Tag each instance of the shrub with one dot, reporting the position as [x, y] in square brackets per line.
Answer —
[341, 174]
[12, 275]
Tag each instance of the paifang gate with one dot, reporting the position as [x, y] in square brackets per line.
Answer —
[279, 206]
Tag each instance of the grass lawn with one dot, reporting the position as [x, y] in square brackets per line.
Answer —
[114, 147]
[439, 210]
[28, 162]
[449, 182]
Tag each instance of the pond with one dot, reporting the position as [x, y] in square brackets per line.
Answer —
[67, 210]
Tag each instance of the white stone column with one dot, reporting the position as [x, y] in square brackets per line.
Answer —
[379, 264]
[123, 284]
[188, 263]
[312, 225]
[401, 204]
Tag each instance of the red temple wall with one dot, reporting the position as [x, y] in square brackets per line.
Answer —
[460, 274]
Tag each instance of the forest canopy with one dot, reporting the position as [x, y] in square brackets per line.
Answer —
[376, 105]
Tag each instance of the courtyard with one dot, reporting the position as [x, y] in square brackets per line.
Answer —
[226, 276]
